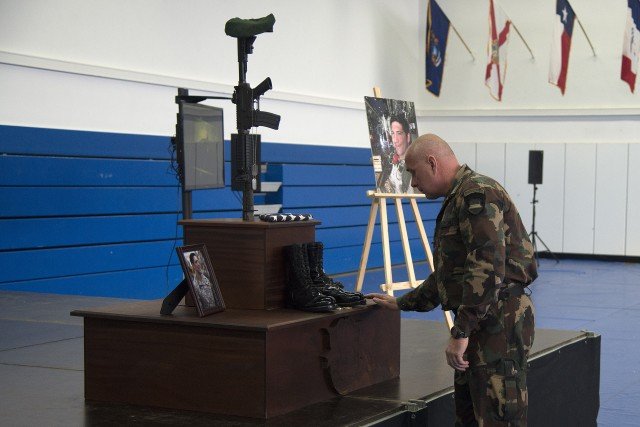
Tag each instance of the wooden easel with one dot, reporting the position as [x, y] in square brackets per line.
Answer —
[379, 202]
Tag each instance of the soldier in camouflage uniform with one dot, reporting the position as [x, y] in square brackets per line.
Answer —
[483, 262]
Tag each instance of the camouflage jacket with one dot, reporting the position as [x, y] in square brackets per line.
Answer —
[396, 179]
[480, 246]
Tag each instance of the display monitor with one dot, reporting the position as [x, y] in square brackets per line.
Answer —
[201, 145]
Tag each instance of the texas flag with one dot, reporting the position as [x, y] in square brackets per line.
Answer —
[561, 44]
[499, 25]
[437, 35]
[631, 46]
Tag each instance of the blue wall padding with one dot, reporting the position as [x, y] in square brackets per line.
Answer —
[314, 154]
[34, 233]
[95, 213]
[305, 175]
[147, 283]
[57, 262]
[60, 142]
[57, 171]
[80, 201]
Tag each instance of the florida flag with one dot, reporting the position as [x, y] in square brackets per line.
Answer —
[561, 44]
[496, 72]
[631, 46]
[437, 35]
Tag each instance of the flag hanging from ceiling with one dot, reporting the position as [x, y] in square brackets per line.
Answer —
[499, 25]
[437, 35]
[631, 46]
[561, 44]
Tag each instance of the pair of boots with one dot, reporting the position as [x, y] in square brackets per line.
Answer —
[308, 286]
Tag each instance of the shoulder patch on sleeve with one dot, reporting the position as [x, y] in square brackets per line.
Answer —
[474, 200]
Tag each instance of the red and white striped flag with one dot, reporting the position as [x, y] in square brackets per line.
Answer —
[499, 25]
[631, 45]
[561, 44]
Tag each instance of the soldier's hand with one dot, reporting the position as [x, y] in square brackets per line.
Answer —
[455, 353]
[384, 300]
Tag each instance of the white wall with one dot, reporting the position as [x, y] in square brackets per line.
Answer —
[580, 186]
[587, 196]
[323, 57]
[633, 200]
[114, 65]
[592, 83]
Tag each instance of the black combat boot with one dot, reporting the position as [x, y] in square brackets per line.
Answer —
[302, 295]
[326, 284]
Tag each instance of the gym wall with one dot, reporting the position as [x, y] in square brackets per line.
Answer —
[87, 111]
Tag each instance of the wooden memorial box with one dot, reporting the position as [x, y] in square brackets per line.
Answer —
[256, 359]
[250, 363]
[247, 257]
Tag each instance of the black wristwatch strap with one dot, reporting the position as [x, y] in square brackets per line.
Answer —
[458, 333]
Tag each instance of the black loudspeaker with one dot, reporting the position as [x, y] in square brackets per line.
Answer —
[535, 167]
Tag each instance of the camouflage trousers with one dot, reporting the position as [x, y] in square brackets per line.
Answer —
[493, 391]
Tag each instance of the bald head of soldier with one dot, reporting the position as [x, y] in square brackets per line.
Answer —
[432, 165]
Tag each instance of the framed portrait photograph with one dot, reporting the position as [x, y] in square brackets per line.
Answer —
[392, 128]
[198, 271]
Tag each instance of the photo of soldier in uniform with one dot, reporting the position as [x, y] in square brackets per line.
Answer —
[392, 128]
[203, 284]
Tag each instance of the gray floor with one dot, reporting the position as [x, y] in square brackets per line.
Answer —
[41, 350]
[598, 296]
[41, 346]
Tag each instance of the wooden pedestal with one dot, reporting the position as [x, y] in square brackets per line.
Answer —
[247, 257]
[252, 363]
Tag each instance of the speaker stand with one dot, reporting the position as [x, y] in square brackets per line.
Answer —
[534, 234]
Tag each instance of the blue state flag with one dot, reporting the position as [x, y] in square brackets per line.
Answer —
[437, 35]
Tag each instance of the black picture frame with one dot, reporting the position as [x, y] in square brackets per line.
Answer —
[203, 284]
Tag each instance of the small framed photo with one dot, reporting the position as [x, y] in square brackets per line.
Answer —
[197, 268]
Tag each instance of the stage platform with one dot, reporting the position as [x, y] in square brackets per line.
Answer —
[42, 366]
[563, 381]
[42, 362]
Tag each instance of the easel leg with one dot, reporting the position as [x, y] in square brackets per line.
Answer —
[405, 244]
[449, 319]
[423, 233]
[373, 213]
[384, 228]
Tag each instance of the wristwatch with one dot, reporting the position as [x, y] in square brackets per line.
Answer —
[458, 333]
